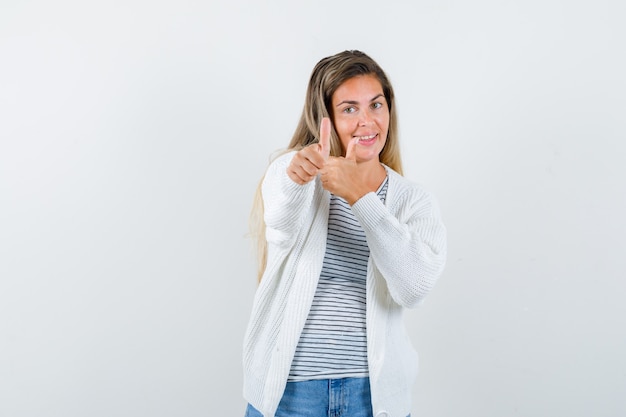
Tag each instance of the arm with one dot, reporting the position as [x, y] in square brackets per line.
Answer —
[289, 185]
[284, 201]
[409, 246]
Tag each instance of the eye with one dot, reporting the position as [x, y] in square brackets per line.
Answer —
[349, 110]
[377, 105]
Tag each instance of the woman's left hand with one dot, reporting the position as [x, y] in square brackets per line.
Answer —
[340, 176]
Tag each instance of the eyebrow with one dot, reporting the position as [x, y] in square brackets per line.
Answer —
[356, 102]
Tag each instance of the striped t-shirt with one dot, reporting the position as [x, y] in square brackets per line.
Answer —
[333, 343]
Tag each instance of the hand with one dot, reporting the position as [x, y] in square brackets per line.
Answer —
[307, 162]
[340, 176]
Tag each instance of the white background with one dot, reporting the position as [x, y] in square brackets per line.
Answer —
[132, 137]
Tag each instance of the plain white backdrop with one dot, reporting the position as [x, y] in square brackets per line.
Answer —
[132, 137]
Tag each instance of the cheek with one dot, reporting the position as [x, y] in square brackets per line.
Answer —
[344, 132]
[383, 121]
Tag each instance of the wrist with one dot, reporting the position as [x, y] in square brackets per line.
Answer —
[354, 197]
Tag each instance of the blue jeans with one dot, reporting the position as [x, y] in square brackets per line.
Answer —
[347, 397]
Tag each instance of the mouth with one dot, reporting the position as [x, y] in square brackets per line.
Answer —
[366, 140]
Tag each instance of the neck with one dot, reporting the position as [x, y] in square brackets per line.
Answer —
[372, 173]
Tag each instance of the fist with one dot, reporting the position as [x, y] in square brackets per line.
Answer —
[308, 161]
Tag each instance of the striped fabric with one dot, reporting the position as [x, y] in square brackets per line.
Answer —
[333, 342]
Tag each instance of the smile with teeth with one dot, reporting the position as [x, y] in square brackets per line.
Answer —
[360, 139]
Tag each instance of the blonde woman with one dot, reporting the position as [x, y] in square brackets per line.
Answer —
[346, 243]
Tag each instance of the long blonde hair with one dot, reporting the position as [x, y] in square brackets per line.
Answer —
[328, 74]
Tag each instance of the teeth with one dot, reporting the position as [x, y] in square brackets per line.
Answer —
[360, 138]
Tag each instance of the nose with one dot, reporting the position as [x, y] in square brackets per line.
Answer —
[365, 118]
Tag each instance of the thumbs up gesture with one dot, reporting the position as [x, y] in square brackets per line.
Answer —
[341, 176]
[307, 162]
[325, 138]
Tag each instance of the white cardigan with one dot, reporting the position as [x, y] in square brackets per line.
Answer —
[407, 242]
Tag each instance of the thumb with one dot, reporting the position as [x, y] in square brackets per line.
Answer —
[351, 150]
[325, 137]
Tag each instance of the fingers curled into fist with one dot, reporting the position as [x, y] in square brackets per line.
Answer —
[307, 162]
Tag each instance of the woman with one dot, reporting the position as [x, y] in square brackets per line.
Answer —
[346, 243]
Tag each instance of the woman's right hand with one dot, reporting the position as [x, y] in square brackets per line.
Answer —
[307, 162]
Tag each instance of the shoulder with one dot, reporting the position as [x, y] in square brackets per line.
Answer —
[402, 185]
[281, 158]
[405, 192]
[279, 162]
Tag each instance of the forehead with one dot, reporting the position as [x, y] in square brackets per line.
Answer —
[361, 87]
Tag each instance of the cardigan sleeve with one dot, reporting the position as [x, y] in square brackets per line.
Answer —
[407, 241]
[284, 202]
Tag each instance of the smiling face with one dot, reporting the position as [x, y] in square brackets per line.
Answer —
[360, 110]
